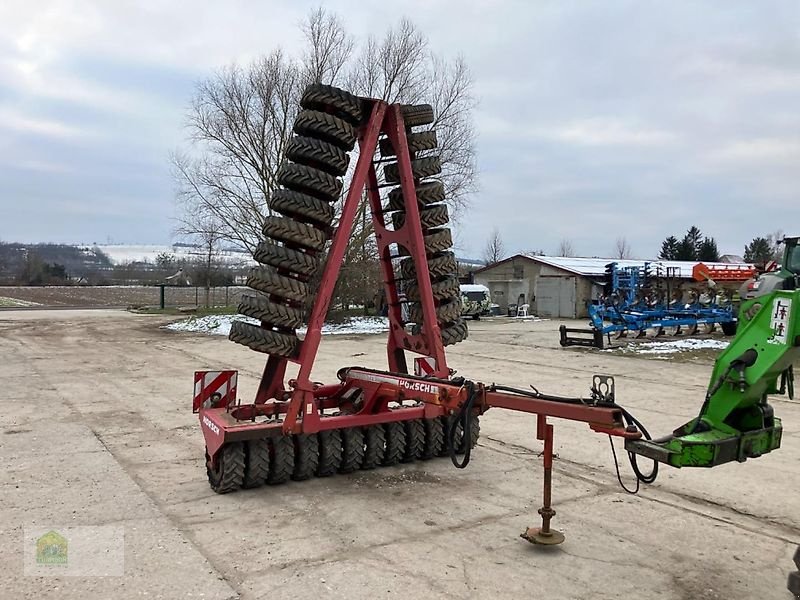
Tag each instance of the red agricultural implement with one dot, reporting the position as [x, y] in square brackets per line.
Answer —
[368, 418]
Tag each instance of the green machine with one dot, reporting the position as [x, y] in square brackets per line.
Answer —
[736, 421]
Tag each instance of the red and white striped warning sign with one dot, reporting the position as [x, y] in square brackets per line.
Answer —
[424, 366]
[214, 389]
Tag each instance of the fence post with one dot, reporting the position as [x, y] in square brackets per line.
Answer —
[161, 295]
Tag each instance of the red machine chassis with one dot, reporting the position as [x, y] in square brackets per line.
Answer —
[307, 407]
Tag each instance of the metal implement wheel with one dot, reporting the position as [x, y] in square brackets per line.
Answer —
[282, 459]
[635, 333]
[318, 154]
[434, 438]
[689, 329]
[652, 332]
[267, 280]
[280, 257]
[415, 440]
[616, 334]
[417, 114]
[374, 446]
[319, 96]
[303, 207]
[264, 340]
[422, 140]
[420, 168]
[287, 230]
[256, 463]
[352, 449]
[228, 474]
[671, 330]
[433, 215]
[259, 307]
[323, 126]
[457, 332]
[306, 456]
[707, 328]
[395, 443]
[427, 193]
[330, 452]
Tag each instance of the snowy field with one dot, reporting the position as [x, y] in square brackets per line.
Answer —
[221, 325]
[121, 254]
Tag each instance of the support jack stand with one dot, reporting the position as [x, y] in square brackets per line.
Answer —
[544, 535]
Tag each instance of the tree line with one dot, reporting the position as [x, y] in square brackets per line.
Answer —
[692, 246]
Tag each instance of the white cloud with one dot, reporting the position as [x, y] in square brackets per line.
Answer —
[12, 120]
[601, 131]
[773, 151]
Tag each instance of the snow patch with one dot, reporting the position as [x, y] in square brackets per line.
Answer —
[672, 347]
[221, 325]
[7, 302]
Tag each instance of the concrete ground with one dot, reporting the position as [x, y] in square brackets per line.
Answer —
[97, 429]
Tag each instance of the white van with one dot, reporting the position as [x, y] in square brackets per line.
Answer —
[475, 300]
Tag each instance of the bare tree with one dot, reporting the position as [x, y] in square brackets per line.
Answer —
[775, 238]
[240, 119]
[494, 250]
[622, 249]
[565, 248]
[206, 230]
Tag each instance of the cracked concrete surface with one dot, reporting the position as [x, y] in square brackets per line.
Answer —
[97, 429]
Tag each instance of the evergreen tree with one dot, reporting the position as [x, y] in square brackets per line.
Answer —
[708, 250]
[669, 248]
[686, 250]
[759, 251]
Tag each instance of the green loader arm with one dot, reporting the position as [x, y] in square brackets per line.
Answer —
[736, 422]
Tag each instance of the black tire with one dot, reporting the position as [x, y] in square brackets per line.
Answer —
[417, 142]
[280, 257]
[352, 449]
[282, 464]
[259, 307]
[303, 207]
[793, 585]
[264, 340]
[327, 98]
[433, 215]
[256, 463]
[229, 474]
[374, 446]
[330, 452]
[428, 192]
[728, 328]
[436, 241]
[434, 438]
[457, 332]
[475, 430]
[395, 443]
[440, 265]
[289, 231]
[309, 180]
[306, 456]
[415, 440]
[267, 280]
[323, 126]
[318, 154]
[448, 312]
[415, 115]
[420, 169]
[447, 288]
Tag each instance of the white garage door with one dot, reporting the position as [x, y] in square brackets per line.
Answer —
[555, 297]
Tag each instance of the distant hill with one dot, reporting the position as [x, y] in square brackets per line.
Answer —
[77, 261]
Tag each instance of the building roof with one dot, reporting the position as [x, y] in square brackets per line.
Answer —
[596, 267]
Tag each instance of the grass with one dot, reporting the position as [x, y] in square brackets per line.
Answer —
[199, 311]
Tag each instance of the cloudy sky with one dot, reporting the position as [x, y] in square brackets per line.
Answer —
[596, 119]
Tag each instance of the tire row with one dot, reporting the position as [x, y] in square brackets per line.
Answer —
[297, 233]
[434, 217]
[298, 457]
